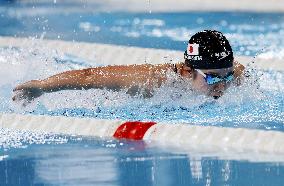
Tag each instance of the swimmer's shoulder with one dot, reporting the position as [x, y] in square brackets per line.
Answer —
[158, 68]
[163, 66]
[175, 67]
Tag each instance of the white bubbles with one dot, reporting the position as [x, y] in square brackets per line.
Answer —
[145, 22]
[251, 37]
[34, 61]
[150, 27]
[200, 20]
[272, 54]
[132, 34]
[20, 138]
[3, 157]
[89, 27]
[250, 43]
[223, 23]
[176, 34]
[157, 33]
[153, 22]
[247, 53]
[116, 29]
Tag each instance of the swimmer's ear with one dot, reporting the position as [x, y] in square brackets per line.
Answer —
[186, 70]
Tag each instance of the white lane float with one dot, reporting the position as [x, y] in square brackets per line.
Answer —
[179, 134]
[124, 55]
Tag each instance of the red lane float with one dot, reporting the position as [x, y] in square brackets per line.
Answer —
[133, 130]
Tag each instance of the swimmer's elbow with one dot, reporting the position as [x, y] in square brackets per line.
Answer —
[99, 79]
[89, 72]
[91, 78]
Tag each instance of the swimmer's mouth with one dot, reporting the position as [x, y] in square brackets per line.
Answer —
[216, 95]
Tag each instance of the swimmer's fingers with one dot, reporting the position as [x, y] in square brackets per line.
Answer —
[22, 98]
[27, 91]
[20, 95]
[28, 85]
[27, 96]
[22, 87]
[15, 98]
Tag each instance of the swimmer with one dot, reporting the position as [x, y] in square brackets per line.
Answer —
[208, 63]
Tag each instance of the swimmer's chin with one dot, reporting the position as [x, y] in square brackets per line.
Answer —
[216, 95]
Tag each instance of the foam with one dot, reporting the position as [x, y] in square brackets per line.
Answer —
[37, 59]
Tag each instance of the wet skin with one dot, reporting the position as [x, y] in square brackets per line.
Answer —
[117, 77]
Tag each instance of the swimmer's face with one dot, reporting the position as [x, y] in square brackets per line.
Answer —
[215, 90]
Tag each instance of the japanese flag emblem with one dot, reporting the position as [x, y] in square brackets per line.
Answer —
[193, 49]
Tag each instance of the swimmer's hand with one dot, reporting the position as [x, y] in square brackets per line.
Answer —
[28, 91]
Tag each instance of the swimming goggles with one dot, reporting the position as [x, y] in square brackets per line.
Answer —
[212, 79]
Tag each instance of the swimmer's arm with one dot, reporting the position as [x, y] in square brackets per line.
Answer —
[110, 77]
[76, 79]
[67, 80]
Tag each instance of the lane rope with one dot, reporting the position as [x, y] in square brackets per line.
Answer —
[133, 130]
[176, 134]
[124, 55]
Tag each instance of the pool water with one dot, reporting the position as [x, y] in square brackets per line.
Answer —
[48, 159]
[255, 104]
[249, 33]
[111, 162]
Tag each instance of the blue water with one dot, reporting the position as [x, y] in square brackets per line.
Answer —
[249, 33]
[91, 162]
[48, 159]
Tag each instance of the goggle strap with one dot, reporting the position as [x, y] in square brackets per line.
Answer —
[200, 72]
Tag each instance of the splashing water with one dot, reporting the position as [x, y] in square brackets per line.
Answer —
[258, 103]
[20, 139]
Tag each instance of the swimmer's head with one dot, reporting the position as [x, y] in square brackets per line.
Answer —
[209, 59]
